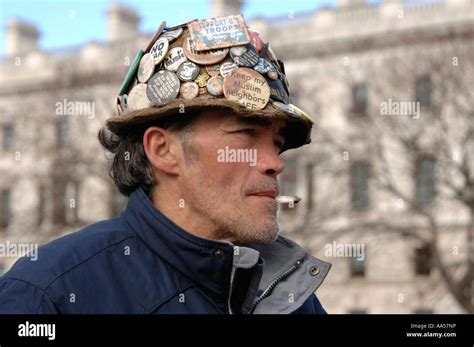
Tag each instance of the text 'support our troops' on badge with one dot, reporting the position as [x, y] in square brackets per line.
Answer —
[247, 87]
[219, 32]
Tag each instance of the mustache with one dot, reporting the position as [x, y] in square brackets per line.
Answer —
[261, 186]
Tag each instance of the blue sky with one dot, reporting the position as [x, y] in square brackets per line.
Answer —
[66, 23]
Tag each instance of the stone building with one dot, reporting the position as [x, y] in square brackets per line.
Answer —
[345, 65]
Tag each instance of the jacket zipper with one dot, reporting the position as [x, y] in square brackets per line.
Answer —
[230, 291]
[272, 285]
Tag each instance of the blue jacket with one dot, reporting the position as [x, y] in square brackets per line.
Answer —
[141, 262]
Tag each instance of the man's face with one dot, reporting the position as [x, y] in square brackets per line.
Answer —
[230, 180]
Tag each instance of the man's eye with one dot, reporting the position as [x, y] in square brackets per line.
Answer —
[279, 144]
[247, 131]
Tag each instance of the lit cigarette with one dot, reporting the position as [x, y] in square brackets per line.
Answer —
[288, 199]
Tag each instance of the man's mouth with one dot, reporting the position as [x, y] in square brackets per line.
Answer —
[268, 193]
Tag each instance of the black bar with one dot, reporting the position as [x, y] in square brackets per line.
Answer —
[156, 330]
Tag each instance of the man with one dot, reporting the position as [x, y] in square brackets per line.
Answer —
[202, 118]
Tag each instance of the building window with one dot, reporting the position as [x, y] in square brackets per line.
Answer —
[65, 202]
[41, 204]
[5, 208]
[360, 172]
[425, 180]
[7, 138]
[359, 99]
[59, 215]
[63, 131]
[357, 266]
[423, 260]
[423, 91]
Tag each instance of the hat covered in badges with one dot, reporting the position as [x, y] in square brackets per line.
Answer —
[217, 63]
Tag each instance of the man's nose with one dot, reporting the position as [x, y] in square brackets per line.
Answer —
[268, 161]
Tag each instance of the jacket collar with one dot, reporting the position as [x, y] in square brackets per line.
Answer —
[207, 263]
[210, 264]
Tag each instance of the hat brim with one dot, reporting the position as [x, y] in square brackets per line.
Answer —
[297, 131]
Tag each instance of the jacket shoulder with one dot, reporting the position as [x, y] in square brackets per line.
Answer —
[61, 255]
[17, 296]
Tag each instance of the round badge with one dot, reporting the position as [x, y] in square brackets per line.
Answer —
[226, 68]
[172, 35]
[203, 58]
[277, 90]
[189, 90]
[174, 59]
[272, 73]
[255, 40]
[213, 70]
[247, 87]
[159, 50]
[201, 80]
[155, 37]
[249, 58]
[237, 50]
[163, 87]
[137, 99]
[146, 68]
[263, 66]
[215, 85]
[188, 71]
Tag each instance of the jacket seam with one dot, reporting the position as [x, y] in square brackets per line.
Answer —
[43, 291]
[160, 303]
[86, 260]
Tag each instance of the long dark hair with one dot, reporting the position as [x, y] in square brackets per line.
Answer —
[128, 165]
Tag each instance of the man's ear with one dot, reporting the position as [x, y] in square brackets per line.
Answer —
[160, 149]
